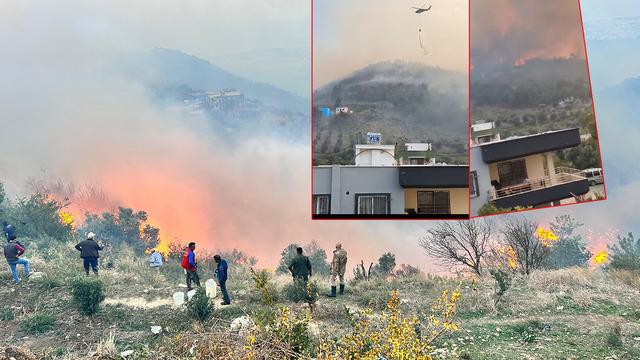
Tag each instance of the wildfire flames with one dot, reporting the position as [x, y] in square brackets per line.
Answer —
[601, 258]
[547, 237]
[598, 244]
[66, 218]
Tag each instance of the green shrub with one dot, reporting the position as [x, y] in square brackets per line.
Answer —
[38, 324]
[265, 286]
[503, 281]
[299, 291]
[6, 314]
[529, 330]
[200, 306]
[614, 337]
[87, 294]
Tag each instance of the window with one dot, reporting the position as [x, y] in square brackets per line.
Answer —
[484, 139]
[321, 204]
[372, 204]
[512, 172]
[434, 202]
[416, 161]
[473, 184]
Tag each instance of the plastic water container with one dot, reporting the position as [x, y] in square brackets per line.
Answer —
[190, 293]
[178, 298]
[210, 288]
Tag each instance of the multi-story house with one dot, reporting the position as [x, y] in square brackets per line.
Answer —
[520, 171]
[380, 185]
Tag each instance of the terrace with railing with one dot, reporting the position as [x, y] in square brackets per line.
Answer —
[562, 175]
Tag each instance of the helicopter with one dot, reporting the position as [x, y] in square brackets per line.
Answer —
[422, 9]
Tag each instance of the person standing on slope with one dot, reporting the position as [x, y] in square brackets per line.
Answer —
[190, 266]
[221, 273]
[90, 252]
[338, 268]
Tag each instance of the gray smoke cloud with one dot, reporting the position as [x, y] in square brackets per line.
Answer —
[68, 113]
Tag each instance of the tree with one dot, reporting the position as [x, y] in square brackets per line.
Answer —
[463, 242]
[385, 266]
[520, 235]
[40, 215]
[626, 253]
[122, 228]
[317, 257]
[569, 250]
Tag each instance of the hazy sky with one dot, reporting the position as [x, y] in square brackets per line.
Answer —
[349, 35]
[204, 28]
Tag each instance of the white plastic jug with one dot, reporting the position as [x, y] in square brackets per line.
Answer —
[190, 293]
[178, 298]
[210, 288]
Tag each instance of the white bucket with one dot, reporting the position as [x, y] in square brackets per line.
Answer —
[190, 293]
[178, 298]
[210, 288]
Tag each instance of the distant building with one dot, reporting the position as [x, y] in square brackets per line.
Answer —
[417, 154]
[227, 100]
[484, 132]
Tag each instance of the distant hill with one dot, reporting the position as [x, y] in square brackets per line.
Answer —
[403, 101]
[166, 68]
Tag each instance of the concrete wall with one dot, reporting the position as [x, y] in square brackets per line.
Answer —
[344, 182]
[484, 180]
[459, 199]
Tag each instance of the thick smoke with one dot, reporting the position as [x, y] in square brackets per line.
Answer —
[514, 31]
[68, 113]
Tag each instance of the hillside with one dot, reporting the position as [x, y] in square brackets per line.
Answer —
[165, 68]
[403, 101]
[562, 314]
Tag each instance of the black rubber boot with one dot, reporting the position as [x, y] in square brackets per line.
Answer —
[333, 292]
[341, 289]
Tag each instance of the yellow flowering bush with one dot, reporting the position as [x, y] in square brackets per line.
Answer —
[393, 336]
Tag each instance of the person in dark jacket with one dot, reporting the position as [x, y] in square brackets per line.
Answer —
[13, 253]
[300, 266]
[221, 274]
[190, 266]
[89, 252]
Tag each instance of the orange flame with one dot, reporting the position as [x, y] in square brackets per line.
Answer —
[601, 258]
[546, 237]
[66, 219]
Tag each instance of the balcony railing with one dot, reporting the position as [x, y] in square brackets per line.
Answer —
[563, 175]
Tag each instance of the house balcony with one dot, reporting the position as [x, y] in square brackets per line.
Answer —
[564, 183]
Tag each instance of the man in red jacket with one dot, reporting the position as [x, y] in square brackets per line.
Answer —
[190, 266]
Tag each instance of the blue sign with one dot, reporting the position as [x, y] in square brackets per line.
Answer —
[326, 112]
[374, 138]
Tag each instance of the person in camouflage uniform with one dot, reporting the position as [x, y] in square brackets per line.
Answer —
[338, 268]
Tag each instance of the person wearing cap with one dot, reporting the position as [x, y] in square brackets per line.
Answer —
[90, 252]
[338, 268]
[155, 260]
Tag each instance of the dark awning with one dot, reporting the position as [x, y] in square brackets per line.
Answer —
[530, 145]
[434, 176]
